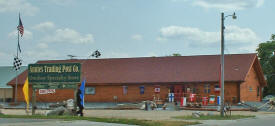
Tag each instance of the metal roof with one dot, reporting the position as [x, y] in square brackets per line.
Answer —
[149, 70]
[7, 73]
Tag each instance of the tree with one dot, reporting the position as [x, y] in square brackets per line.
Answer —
[176, 54]
[267, 59]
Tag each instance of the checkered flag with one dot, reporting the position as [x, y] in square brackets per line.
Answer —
[17, 63]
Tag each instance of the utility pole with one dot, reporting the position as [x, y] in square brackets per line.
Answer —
[222, 60]
[222, 66]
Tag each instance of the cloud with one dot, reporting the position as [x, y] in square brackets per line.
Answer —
[44, 26]
[42, 45]
[189, 33]
[239, 38]
[151, 54]
[116, 55]
[27, 34]
[6, 58]
[33, 56]
[62, 2]
[228, 5]
[70, 36]
[237, 34]
[16, 6]
[137, 37]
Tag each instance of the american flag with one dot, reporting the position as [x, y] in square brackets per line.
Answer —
[20, 27]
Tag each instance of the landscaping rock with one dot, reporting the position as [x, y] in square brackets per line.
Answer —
[68, 112]
[196, 114]
[57, 111]
[58, 104]
[143, 105]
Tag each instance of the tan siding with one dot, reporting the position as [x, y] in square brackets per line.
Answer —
[5, 92]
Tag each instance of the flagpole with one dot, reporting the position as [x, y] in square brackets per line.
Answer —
[15, 97]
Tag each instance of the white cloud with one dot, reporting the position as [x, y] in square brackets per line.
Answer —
[6, 58]
[237, 34]
[116, 55]
[44, 26]
[137, 37]
[42, 45]
[33, 56]
[27, 34]
[63, 2]
[187, 33]
[228, 4]
[16, 6]
[70, 36]
[151, 54]
[235, 37]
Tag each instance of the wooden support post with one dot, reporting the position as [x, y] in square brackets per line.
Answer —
[75, 92]
[33, 101]
[4, 99]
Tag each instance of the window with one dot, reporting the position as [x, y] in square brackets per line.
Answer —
[125, 90]
[207, 88]
[90, 90]
[141, 89]
[194, 90]
[188, 90]
[171, 89]
[250, 88]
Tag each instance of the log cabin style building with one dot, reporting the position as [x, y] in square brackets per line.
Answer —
[139, 79]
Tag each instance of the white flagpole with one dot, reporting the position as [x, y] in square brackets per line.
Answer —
[15, 97]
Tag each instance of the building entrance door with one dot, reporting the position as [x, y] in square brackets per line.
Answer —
[178, 92]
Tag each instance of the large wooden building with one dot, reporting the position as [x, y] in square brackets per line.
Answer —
[6, 74]
[138, 79]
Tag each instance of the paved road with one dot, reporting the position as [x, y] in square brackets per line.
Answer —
[260, 120]
[46, 122]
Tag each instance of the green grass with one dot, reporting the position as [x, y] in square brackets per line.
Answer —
[107, 120]
[214, 117]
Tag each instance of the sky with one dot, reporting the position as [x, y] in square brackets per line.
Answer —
[131, 28]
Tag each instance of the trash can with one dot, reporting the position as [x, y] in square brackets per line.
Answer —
[212, 99]
[204, 101]
[183, 101]
[218, 100]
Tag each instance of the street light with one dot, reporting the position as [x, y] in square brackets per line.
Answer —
[222, 60]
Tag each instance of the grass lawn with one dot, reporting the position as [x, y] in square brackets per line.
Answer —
[108, 120]
[214, 117]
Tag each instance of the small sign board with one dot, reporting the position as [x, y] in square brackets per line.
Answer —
[54, 86]
[46, 91]
[48, 73]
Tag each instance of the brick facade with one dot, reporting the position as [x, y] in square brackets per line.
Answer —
[182, 75]
[107, 93]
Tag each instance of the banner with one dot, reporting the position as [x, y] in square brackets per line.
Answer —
[46, 91]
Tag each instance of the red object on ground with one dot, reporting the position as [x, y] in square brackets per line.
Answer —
[204, 101]
[181, 101]
[192, 97]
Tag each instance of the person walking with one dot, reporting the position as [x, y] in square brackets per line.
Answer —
[79, 100]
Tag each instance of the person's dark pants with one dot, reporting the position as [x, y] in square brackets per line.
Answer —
[80, 111]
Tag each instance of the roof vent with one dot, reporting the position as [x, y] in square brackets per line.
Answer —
[236, 68]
